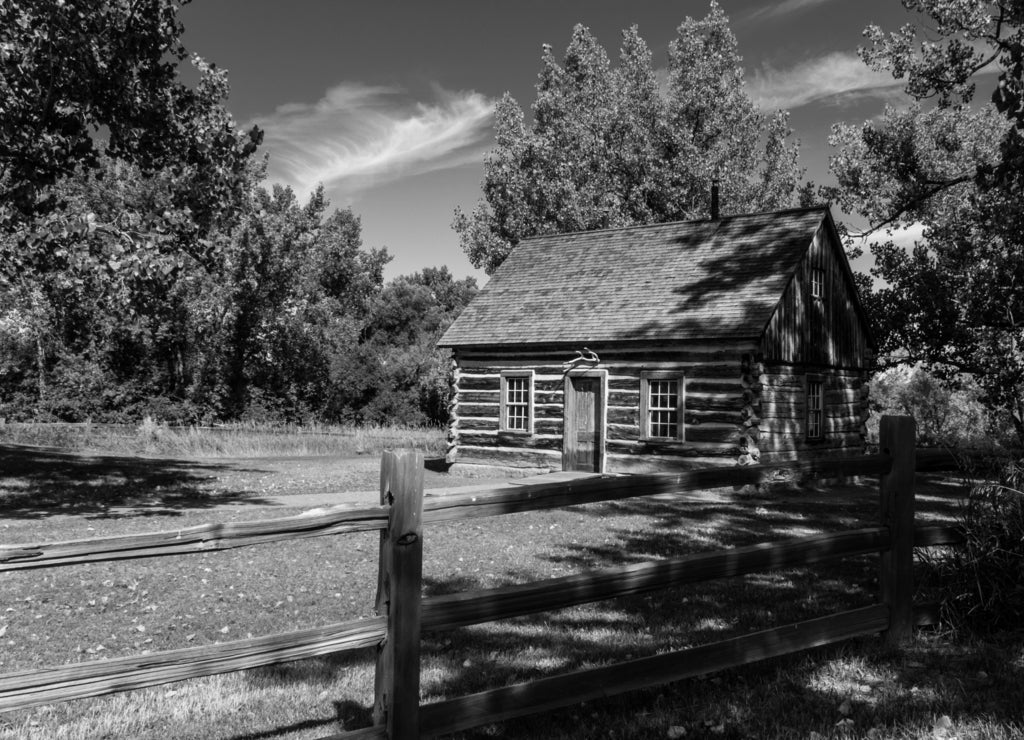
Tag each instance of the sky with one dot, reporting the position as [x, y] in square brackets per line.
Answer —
[389, 104]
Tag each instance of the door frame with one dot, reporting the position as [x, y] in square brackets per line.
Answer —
[568, 407]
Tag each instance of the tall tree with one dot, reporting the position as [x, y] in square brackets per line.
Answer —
[607, 148]
[91, 107]
[955, 169]
[398, 373]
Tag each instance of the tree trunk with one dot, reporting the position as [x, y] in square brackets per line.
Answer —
[41, 369]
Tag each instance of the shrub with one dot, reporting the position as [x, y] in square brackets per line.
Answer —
[982, 581]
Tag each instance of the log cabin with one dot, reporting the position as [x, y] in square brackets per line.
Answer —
[669, 346]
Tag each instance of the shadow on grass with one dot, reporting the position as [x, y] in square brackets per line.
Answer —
[37, 483]
[840, 691]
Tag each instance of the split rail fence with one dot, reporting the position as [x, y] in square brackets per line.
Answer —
[403, 613]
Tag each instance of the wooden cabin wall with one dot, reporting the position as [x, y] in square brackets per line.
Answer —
[713, 411]
[822, 336]
[824, 331]
[783, 406]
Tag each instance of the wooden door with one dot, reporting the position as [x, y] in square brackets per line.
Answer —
[582, 443]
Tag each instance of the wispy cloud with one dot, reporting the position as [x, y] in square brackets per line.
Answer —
[358, 136]
[785, 8]
[837, 78]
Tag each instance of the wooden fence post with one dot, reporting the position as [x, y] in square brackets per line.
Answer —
[397, 684]
[896, 437]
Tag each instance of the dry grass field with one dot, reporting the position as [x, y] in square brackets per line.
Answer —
[936, 687]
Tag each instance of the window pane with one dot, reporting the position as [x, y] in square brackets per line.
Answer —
[663, 408]
[517, 404]
[815, 393]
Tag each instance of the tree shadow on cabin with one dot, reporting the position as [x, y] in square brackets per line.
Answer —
[727, 278]
[39, 483]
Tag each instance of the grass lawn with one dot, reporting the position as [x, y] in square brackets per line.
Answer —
[933, 688]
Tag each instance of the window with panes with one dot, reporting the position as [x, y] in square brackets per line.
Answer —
[661, 406]
[817, 283]
[815, 406]
[517, 402]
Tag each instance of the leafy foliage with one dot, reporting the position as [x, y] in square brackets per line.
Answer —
[981, 579]
[83, 80]
[144, 271]
[946, 414]
[954, 301]
[606, 148]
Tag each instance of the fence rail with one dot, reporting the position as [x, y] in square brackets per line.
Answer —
[403, 613]
[25, 689]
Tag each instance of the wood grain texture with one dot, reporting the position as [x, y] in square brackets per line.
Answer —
[896, 435]
[509, 499]
[473, 607]
[397, 680]
[202, 538]
[938, 535]
[31, 688]
[572, 688]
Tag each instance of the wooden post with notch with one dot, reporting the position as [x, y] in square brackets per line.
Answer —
[397, 683]
[896, 438]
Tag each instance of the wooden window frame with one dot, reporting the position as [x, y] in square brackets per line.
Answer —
[814, 434]
[503, 411]
[646, 376]
[818, 283]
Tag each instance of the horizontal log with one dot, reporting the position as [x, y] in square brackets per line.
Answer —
[933, 536]
[201, 538]
[555, 396]
[468, 397]
[694, 416]
[797, 408]
[32, 688]
[548, 385]
[480, 410]
[511, 457]
[833, 380]
[634, 446]
[630, 398]
[830, 425]
[477, 424]
[719, 433]
[706, 385]
[798, 443]
[715, 401]
[509, 439]
[644, 464]
[548, 411]
[453, 715]
[719, 351]
[616, 367]
[620, 415]
[473, 607]
[624, 384]
[510, 499]
[479, 383]
[797, 395]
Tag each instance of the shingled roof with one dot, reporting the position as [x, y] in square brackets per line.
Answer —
[675, 281]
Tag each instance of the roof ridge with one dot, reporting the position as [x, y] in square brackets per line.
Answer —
[656, 224]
